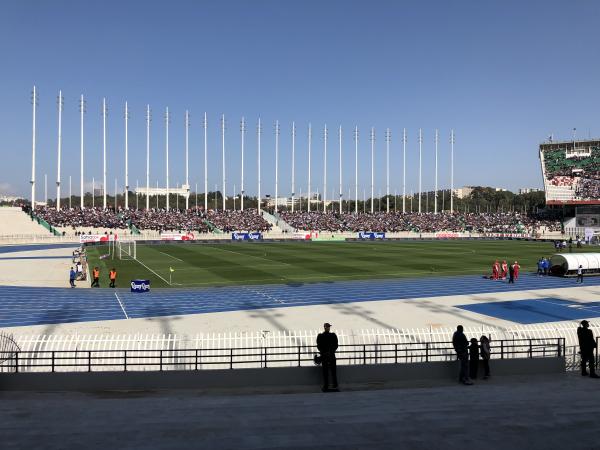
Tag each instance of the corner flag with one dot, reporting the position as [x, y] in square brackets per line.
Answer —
[171, 269]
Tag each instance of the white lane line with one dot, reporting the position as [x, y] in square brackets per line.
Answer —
[174, 257]
[121, 304]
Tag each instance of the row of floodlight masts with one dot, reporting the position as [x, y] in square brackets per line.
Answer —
[243, 129]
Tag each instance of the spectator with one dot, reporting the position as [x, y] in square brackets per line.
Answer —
[72, 276]
[486, 351]
[587, 344]
[473, 358]
[327, 343]
[461, 347]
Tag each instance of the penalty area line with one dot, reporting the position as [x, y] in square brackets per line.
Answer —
[121, 305]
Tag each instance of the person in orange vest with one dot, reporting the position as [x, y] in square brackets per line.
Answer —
[96, 277]
[112, 275]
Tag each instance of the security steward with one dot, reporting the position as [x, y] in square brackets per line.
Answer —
[587, 344]
[112, 275]
[327, 343]
[96, 277]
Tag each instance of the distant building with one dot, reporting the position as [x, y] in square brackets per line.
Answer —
[463, 192]
[529, 190]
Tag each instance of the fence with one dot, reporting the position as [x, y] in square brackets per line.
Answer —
[253, 357]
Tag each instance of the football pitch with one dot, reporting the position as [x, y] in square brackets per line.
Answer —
[236, 263]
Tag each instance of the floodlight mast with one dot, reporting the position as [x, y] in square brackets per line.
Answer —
[60, 109]
[372, 169]
[276, 164]
[324, 168]
[223, 157]
[187, 173]
[104, 152]
[148, 119]
[81, 112]
[294, 165]
[356, 169]
[167, 120]
[388, 136]
[420, 165]
[258, 134]
[309, 150]
[126, 156]
[404, 171]
[435, 208]
[340, 144]
[243, 133]
[34, 101]
[205, 124]
[451, 171]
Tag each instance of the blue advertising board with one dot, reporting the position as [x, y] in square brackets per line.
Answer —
[140, 285]
[243, 236]
[370, 235]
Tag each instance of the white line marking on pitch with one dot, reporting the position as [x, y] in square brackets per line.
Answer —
[174, 257]
[152, 271]
[121, 304]
[250, 256]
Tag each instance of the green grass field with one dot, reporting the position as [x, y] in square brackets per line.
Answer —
[198, 265]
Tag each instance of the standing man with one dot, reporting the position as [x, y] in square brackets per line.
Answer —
[587, 344]
[511, 273]
[327, 343]
[72, 276]
[461, 347]
[96, 277]
[579, 274]
[112, 275]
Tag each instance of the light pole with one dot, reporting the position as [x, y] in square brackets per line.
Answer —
[356, 169]
[126, 156]
[148, 119]
[223, 157]
[372, 169]
[276, 164]
[293, 165]
[243, 134]
[34, 102]
[420, 161]
[187, 172]
[81, 112]
[60, 109]
[404, 171]
[104, 153]
[340, 142]
[205, 125]
[309, 148]
[388, 137]
[435, 208]
[258, 133]
[451, 171]
[167, 120]
[325, 168]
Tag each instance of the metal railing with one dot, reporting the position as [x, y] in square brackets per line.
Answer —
[263, 357]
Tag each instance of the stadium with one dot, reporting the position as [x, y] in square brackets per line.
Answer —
[274, 267]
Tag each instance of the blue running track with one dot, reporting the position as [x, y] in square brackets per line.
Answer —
[22, 306]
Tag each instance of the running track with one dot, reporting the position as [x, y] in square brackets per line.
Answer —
[22, 306]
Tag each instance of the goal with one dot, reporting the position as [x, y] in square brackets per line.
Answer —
[126, 249]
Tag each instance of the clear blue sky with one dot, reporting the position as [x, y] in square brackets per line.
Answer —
[504, 75]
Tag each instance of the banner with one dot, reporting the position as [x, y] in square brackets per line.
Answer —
[85, 238]
[445, 235]
[370, 235]
[140, 285]
[243, 236]
[177, 236]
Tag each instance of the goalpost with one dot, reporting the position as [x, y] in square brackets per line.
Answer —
[126, 249]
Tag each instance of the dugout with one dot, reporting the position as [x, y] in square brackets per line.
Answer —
[566, 264]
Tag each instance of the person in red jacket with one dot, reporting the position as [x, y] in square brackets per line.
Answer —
[516, 267]
[504, 269]
[495, 270]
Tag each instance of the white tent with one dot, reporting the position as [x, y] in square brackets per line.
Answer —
[566, 264]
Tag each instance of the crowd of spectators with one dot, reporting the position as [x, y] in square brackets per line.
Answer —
[588, 188]
[155, 219]
[422, 223]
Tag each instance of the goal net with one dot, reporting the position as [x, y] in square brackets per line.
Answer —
[126, 249]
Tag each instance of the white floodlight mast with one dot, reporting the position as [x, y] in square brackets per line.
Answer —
[81, 112]
[276, 164]
[167, 153]
[388, 136]
[205, 124]
[420, 163]
[356, 169]
[148, 156]
[340, 142]
[187, 148]
[404, 170]
[60, 108]
[104, 152]
[294, 165]
[126, 156]
[435, 207]
[325, 168]
[242, 132]
[309, 150]
[223, 195]
[451, 171]
[258, 133]
[34, 103]
[372, 169]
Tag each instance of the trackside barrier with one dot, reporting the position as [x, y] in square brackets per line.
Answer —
[276, 356]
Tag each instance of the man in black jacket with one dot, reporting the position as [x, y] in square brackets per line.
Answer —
[461, 346]
[327, 343]
[587, 344]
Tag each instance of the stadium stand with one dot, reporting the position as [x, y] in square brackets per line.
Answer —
[14, 223]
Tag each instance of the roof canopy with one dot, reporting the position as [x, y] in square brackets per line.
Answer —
[571, 261]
